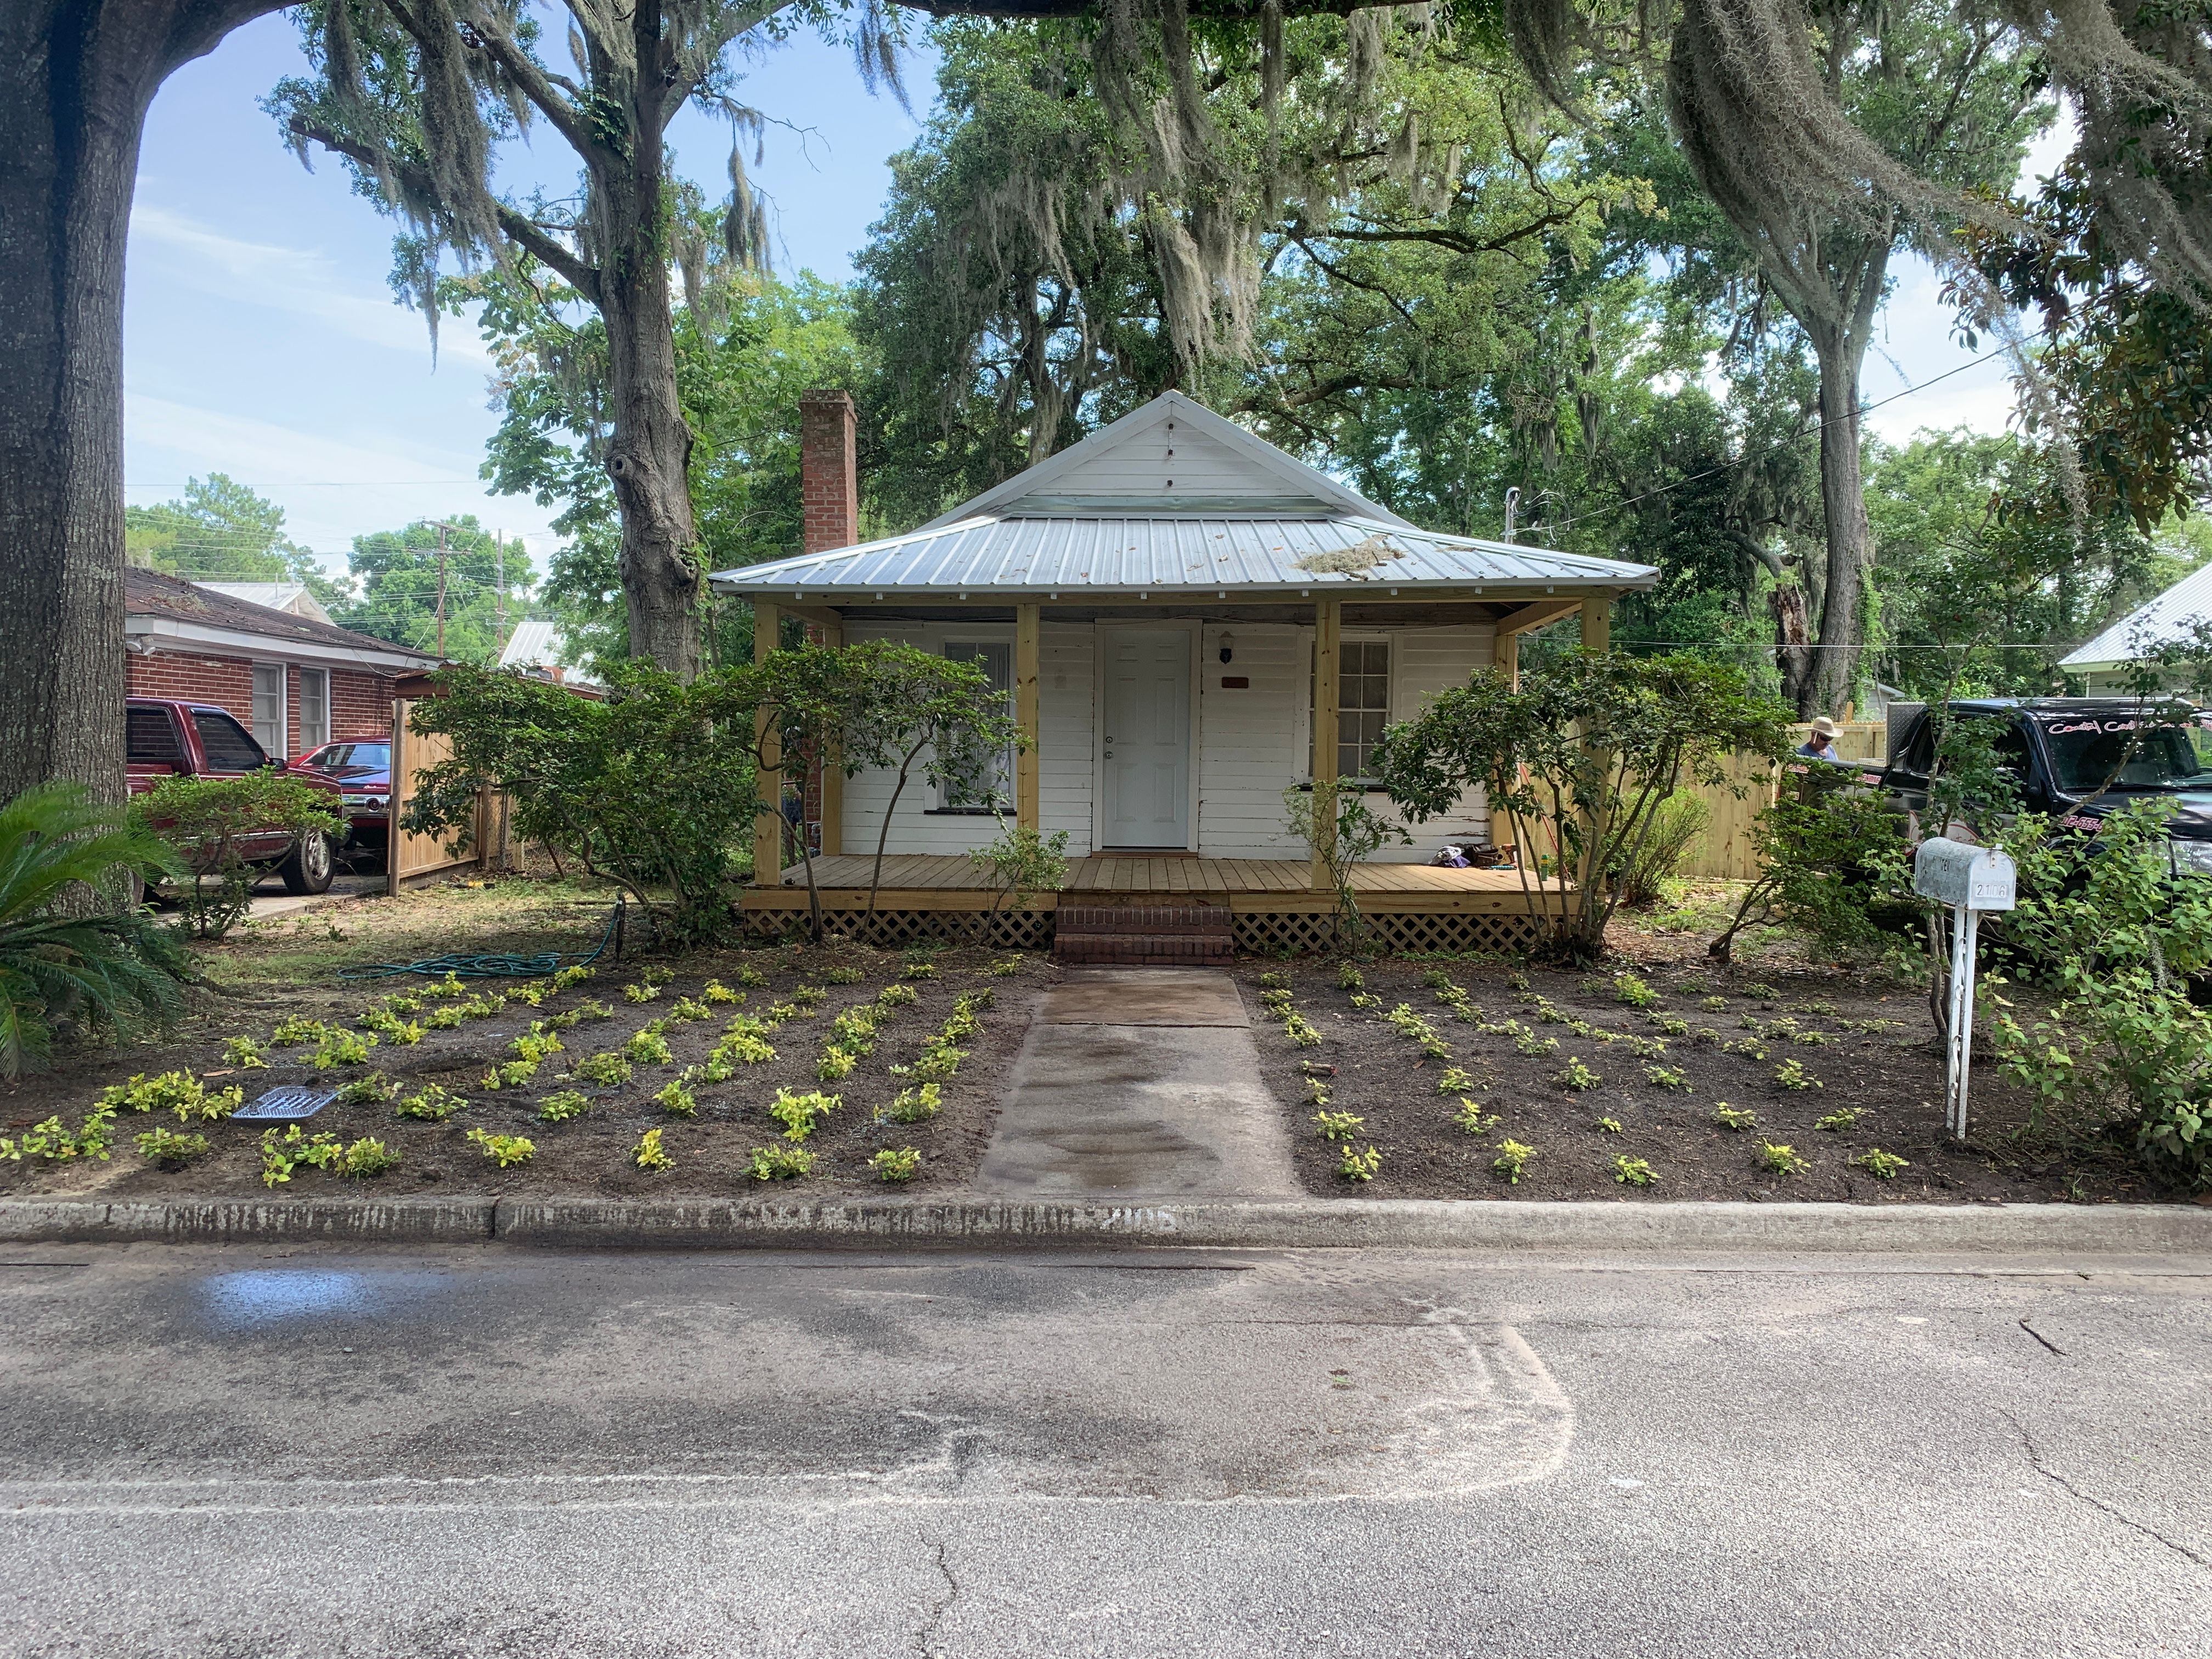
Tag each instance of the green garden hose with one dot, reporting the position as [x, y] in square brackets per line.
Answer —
[499, 964]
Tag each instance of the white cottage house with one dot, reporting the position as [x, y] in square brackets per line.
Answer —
[1188, 622]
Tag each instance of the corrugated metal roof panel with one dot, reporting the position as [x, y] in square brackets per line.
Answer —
[1136, 554]
[2171, 616]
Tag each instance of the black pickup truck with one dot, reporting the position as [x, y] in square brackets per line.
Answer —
[2070, 757]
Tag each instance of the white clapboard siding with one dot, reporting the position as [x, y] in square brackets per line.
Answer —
[1423, 662]
[1066, 690]
[1157, 462]
[1251, 741]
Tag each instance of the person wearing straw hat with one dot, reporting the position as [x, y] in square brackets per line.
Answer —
[1822, 745]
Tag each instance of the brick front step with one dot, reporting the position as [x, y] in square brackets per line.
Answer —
[1143, 949]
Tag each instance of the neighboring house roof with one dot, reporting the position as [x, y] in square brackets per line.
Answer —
[167, 610]
[539, 642]
[1173, 498]
[2170, 617]
[277, 596]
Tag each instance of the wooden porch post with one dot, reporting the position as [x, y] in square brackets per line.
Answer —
[1028, 808]
[833, 774]
[1597, 622]
[1507, 658]
[1328, 664]
[767, 828]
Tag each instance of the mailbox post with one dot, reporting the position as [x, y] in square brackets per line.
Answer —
[1966, 881]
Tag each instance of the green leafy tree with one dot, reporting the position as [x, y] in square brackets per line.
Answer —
[1577, 760]
[486, 584]
[220, 531]
[1349, 834]
[204, 819]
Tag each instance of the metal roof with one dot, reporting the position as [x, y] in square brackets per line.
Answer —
[992, 558]
[2169, 617]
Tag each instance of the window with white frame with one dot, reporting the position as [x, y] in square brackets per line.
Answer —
[1363, 703]
[314, 710]
[269, 709]
[994, 775]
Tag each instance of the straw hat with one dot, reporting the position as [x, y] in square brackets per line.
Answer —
[1823, 727]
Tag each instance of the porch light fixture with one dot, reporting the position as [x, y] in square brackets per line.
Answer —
[1225, 651]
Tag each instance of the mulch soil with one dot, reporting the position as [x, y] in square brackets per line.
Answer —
[1867, 1052]
[591, 1154]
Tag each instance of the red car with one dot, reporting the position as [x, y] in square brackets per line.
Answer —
[164, 739]
[362, 767]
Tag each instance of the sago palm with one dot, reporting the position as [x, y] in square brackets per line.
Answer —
[73, 946]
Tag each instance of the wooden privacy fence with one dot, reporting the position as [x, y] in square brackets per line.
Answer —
[408, 856]
[1726, 852]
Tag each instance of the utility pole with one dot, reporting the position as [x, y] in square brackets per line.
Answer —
[499, 575]
[442, 527]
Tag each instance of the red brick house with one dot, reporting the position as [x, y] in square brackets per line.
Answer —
[293, 682]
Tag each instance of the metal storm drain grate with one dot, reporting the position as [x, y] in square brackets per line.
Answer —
[289, 1102]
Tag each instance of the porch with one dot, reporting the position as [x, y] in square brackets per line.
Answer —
[1272, 901]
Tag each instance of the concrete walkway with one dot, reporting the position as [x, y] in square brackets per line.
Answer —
[1139, 1082]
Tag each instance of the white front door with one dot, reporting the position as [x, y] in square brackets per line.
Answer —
[1144, 757]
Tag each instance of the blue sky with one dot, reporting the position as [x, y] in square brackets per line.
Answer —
[261, 339]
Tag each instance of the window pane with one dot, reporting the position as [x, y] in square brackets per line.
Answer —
[1363, 703]
[995, 779]
[228, 747]
[314, 708]
[269, 707]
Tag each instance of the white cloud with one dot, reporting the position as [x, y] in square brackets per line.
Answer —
[299, 282]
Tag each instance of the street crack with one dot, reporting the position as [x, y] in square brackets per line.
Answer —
[2035, 1461]
[2043, 1339]
[925, 1639]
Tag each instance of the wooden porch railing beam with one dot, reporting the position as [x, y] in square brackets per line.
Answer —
[1328, 664]
[1028, 801]
[767, 828]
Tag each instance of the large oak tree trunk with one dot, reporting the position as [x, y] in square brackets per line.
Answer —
[649, 458]
[1835, 666]
[76, 77]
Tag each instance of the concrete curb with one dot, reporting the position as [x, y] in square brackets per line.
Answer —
[707, 1223]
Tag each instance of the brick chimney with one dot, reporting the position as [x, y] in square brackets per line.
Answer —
[828, 476]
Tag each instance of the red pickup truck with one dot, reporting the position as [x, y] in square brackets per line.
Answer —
[166, 738]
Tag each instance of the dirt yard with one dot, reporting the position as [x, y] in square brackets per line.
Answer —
[1585, 1070]
[287, 969]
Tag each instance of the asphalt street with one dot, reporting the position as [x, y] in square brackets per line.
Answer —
[492, 1451]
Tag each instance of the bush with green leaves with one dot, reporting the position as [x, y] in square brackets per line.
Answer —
[913, 1105]
[1574, 1076]
[1512, 1159]
[1337, 1125]
[1734, 1118]
[563, 1104]
[432, 1103]
[76, 952]
[1882, 1166]
[1333, 818]
[896, 1164]
[1780, 1159]
[1633, 1172]
[54, 1141]
[171, 1148]
[782, 1162]
[1472, 1118]
[1578, 756]
[1359, 1165]
[1834, 865]
[246, 1053]
[506, 1151]
[676, 1100]
[650, 1154]
[798, 1112]
[1645, 877]
[173, 1091]
[206, 819]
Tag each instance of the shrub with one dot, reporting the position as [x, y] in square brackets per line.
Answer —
[431, 1104]
[913, 1105]
[895, 1164]
[1731, 1117]
[204, 819]
[647, 1049]
[1882, 1166]
[1667, 1078]
[1359, 1166]
[511, 1075]
[1472, 1118]
[1610, 1126]
[1574, 1076]
[575, 975]
[797, 1112]
[1843, 1118]
[1525, 1042]
[780, 1163]
[171, 1148]
[640, 993]
[537, 1043]
[752, 978]
[898, 996]
[563, 1104]
[1633, 1172]
[608, 1070]
[1512, 1158]
[1301, 1030]
[244, 1053]
[834, 1064]
[690, 1008]
[1636, 993]
[294, 1030]
[173, 1091]
[1791, 1074]
[505, 1151]
[591, 1008]
[1644, 875]
[1781, 1159]
[650, 1154]
[341, 1048]
[1454, 1080]
[745, 1048]
[919, 970]
[1007, 968]
[284, 1150]
[373, 1090]
[1337, 1125]
[1578, 755]
[1834, 866]
[716, 991]
[676, 1098]
[366, 1159]
[106, 969]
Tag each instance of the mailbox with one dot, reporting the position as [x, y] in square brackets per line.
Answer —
[1964, 877]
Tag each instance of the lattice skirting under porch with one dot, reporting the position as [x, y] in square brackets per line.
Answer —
[887, 930]
[1301, 933]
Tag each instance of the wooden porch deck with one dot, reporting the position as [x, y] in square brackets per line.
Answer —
[930, 882]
